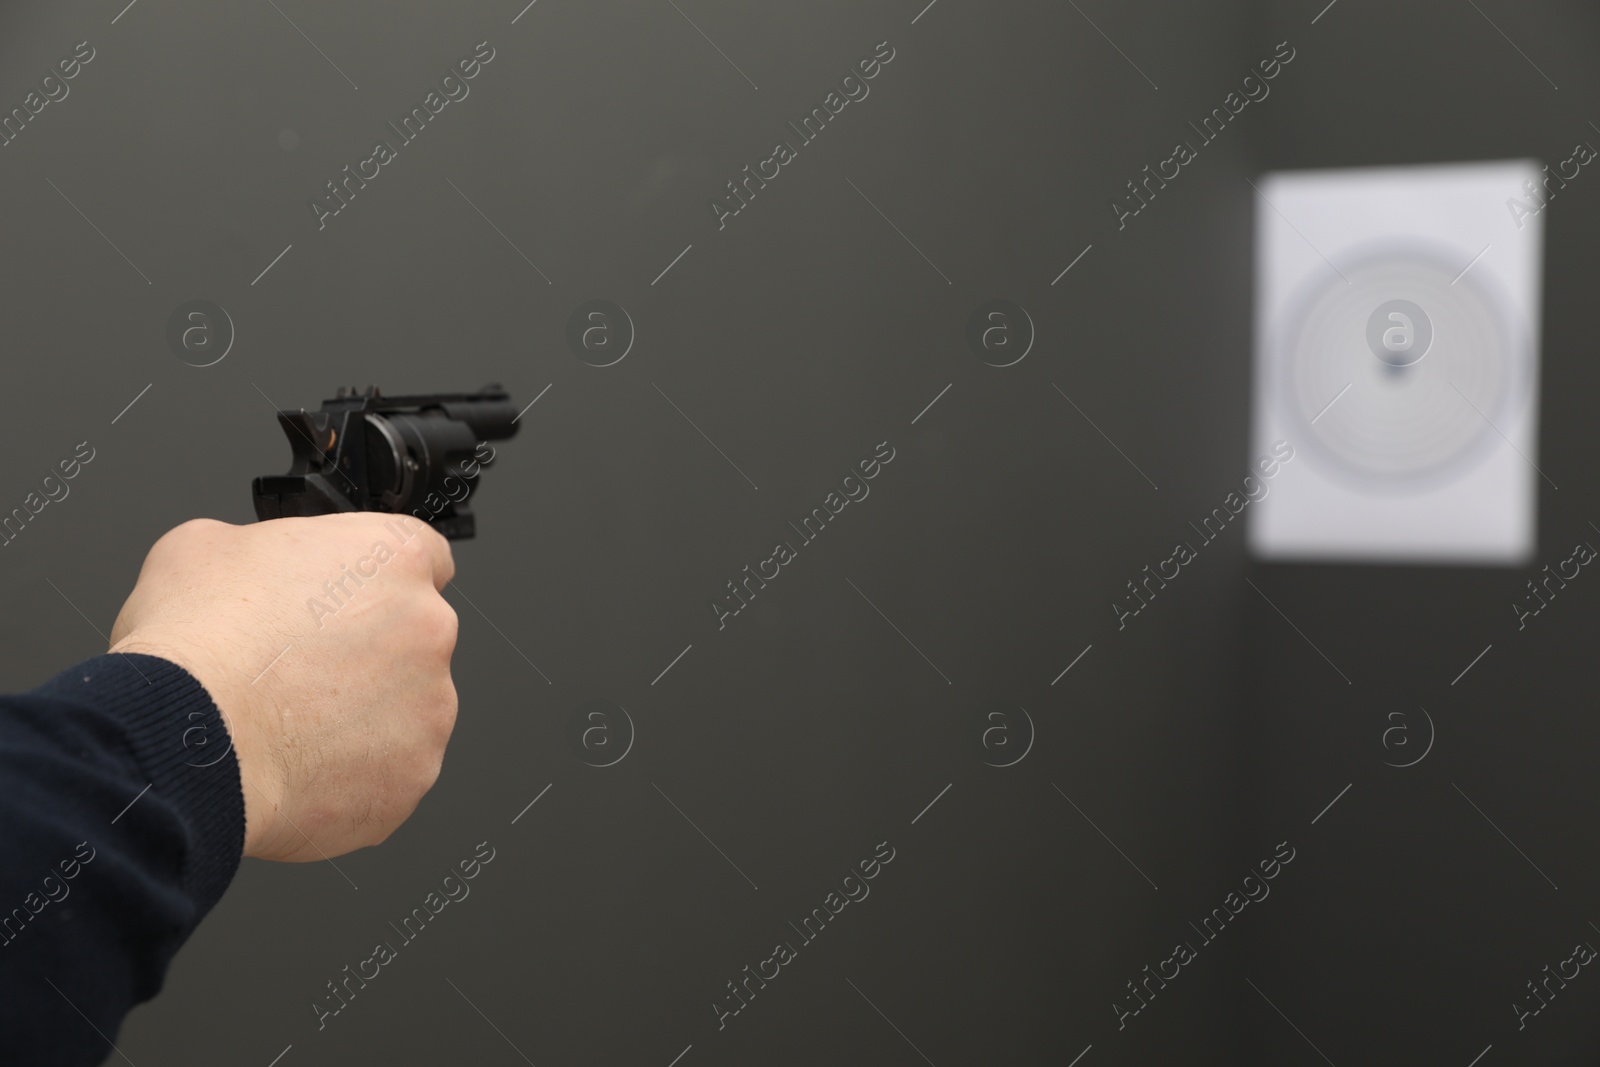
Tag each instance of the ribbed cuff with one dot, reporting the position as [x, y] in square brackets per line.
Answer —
[174, 731]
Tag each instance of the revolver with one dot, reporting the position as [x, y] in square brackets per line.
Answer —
[416, 455]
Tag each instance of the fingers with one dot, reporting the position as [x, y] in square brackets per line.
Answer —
[427, 549]
[443, 560]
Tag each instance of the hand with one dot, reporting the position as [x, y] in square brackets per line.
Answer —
[338, 739]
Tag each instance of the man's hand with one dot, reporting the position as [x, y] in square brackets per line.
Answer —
[326, 645]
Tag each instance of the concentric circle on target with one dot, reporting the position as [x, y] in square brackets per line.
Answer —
[1353, 383]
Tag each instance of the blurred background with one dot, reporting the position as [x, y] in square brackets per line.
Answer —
[951, 672]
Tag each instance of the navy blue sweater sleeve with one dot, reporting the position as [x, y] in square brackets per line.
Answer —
[121, 823]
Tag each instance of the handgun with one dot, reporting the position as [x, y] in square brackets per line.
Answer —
[415, 455]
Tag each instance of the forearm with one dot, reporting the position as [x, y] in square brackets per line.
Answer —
[123, 822]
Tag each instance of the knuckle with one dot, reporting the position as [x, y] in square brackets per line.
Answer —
[445, 626]
[446, 555]
[438, 722]
[433, 625]
[186, 532]
[445, 710]
[413, 556]
[427, 773]
[184, 541]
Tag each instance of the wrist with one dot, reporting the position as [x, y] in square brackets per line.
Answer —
[258, 788]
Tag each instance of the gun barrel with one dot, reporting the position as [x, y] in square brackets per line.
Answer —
[491, 419]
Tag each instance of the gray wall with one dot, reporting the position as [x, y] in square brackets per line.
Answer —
[1414, 925]
[1176, 753]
